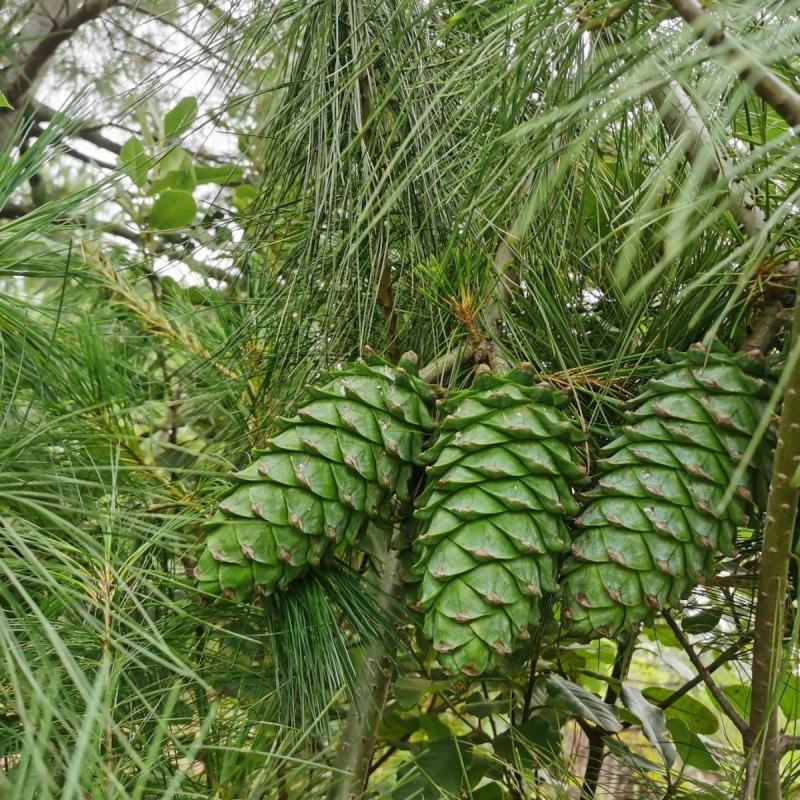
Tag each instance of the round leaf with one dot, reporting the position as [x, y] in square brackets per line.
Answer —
[173, 209]
[702, 622]
[134, 161]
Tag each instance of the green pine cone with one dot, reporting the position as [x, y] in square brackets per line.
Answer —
[345, 459]
[653, 525]
[492, 517]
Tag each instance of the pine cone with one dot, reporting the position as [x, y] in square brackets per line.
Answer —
[493, 517]
[346, 458]
[654, 522]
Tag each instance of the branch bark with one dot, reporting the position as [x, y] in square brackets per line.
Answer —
[360, 729]
[773, 580]
[59, 33]
[763, 81]
[440, 367]
[89, 131]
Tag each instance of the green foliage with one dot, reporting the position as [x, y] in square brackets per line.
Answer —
[174, 208]
[180, 118]
[134, 161]
[154, 321]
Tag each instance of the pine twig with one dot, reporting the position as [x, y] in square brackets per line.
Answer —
[360, 728]
[723, 658]
[684, 123]
[705, 676]
[762, 80]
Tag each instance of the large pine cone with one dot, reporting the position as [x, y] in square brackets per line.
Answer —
[655, 524]
[346, 458]
[493, 517]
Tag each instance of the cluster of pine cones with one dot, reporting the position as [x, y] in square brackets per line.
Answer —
[496, 478]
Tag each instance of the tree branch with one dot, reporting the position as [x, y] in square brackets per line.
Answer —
[705, 676]
[789, 743]
[360, 729]
[597, 748]
[503, 286]
[77, 154]
[773, 578]
[684, 123]
[589, 23]
[61, 31]
[727, 655]
[763, 81]
[89, 131]
[437, 369]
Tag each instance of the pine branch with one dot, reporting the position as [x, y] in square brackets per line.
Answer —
[360, 729]
[763, 81]
[789, 743]
[83, 129]
[439, 368]
[773, 579]
[684, 123]
[723, 658]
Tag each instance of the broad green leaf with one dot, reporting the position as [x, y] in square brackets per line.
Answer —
[491, 791]
[134, 161]
[440, 771]
[174, 171]
[661, 632]
[739, 695]
[173, 209]
[485, 708]
[409, 690]
[180, 118]
[698, 717]
[566, 694]
[4, 102]
[654, 725]
[532, 741]
[395, 727]
[623, 753]
[691, 747]
[702, 622]
[174, 159]
[442, 763]
[182, 179]
[221, 175]
[434, 727]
